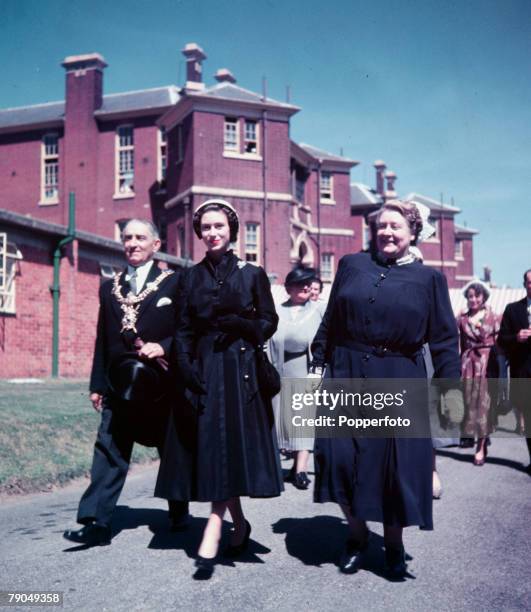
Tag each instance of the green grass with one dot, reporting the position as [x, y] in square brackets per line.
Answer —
[47, 434]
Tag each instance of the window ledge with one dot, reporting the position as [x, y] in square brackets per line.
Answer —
[248, 156]
[49, 202]
[123, 196]
[459, 258]
[328, 202]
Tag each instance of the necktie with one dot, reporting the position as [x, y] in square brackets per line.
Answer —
[132, 282]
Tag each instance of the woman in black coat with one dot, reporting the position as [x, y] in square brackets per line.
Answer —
[383, 307]
[228, 312]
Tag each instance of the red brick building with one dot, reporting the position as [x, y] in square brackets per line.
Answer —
[158, 153]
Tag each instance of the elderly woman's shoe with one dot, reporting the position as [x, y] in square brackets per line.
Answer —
[352, 556]
[301, 481]
[395, 562]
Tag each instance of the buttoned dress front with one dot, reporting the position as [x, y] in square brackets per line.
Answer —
[235, 444]
[399, 307]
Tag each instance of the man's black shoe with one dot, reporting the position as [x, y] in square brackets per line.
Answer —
[179, 522]
[90, 535]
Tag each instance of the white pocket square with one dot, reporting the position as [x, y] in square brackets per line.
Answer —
[164, 301]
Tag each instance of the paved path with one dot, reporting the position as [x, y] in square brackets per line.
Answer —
[478, 557]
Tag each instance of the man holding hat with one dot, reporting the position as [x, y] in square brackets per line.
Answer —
[136, 323]
[515, 339]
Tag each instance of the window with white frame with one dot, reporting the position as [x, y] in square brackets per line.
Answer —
[9, 255]
[119, 226]
[252, 243]
[231, 141]
[251, 137]
[458, 248]
[326, 186]
[50, 169]
[327, 266]
[163, 155]
[435, 224]
[125, 160]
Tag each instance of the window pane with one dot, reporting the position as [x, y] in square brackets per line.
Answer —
[125, 134]
[230, 140]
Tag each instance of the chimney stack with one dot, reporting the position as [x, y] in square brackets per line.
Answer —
[224, 75]
[487, 274]
[84, 81]
[194, 70]
[390, 192]
[380, 169]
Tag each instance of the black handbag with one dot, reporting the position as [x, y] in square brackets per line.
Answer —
[269, 382]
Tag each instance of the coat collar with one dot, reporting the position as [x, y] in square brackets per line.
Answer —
[224, 268]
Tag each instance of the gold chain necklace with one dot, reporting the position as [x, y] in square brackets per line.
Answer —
[130, 304]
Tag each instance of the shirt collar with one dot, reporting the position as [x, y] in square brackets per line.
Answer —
[141, 273]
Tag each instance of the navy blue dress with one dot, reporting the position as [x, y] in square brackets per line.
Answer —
[399, 307]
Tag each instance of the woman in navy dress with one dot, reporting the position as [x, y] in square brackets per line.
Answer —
[228, 312]
[383, 307]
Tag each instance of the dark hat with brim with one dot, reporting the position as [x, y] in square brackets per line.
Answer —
[300, 276]
[135, 379]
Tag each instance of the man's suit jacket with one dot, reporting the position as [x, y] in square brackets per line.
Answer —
[514, 319]
[155, 323]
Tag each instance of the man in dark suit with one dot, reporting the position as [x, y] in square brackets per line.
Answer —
[138, 312]
[515, 339]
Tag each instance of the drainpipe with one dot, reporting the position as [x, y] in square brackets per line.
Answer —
[264, 187]
[56, 288]
[318, 266]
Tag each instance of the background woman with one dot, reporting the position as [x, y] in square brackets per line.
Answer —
[383, 307]
[228, 312]
[478, 330]
[299, 320]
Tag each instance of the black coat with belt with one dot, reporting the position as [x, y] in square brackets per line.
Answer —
[227, 310]
[156, 322]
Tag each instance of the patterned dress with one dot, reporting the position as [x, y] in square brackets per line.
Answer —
[478, 363]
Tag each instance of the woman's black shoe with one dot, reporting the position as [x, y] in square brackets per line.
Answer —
[204, 568]
[236, 550]
[301, 481]
[351, 558]
[466, 443]
[395, 562]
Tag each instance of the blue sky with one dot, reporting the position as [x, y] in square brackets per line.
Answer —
[439, 89]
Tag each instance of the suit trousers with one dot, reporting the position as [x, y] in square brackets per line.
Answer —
[110, 464]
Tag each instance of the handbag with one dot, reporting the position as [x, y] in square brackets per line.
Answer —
[269, 382]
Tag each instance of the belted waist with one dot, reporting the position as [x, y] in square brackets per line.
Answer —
[288, 355]
[380, 350]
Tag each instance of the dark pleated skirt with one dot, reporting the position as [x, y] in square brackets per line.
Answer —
[226, 446]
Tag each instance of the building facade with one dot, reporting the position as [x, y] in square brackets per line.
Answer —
[158, 153]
